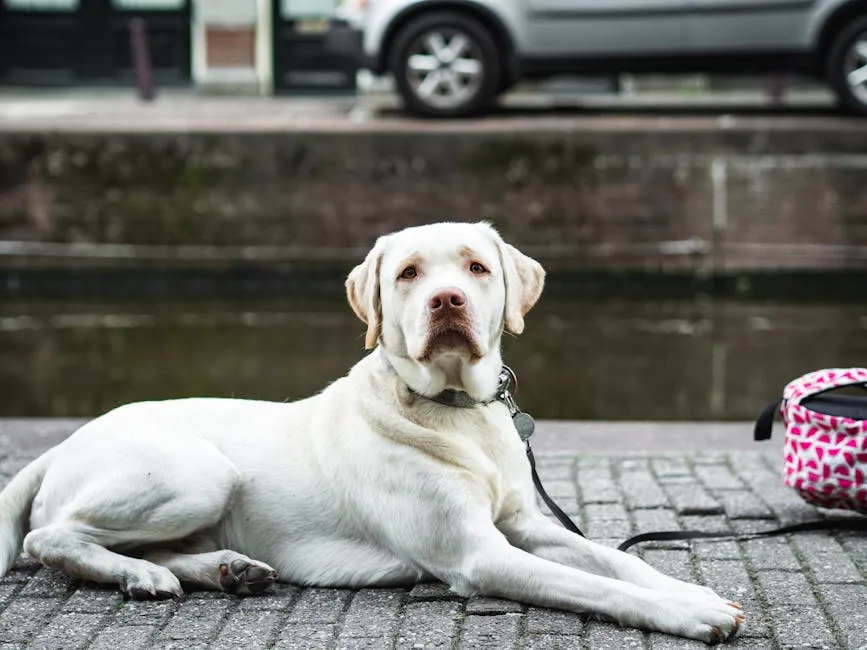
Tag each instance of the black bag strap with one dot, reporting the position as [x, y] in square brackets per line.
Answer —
[553, 507]
[842, 523]
[765, 421]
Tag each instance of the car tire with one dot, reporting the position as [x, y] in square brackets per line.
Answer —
[445, 64]
[848, 56]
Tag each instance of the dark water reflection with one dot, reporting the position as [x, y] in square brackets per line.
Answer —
[659, 360]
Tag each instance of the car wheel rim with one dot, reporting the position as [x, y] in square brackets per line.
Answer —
[444, 68]
[856, 68]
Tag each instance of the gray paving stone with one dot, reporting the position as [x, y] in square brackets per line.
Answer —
[730, 579]
[692, 499]
[124, 637]
[561, 490]
[716, 550]
[801, 626]
[198, 621]
[490, 632]
[783, 588]
[741, 504]
[48, 582]
[598, 486]
[372, 612]
[12, 646]
[24, 617]
[68, 632]
[250, 630]
[143, 612]
[482, 605]
[552, 642]
[771, 553]
[432, 591]
[428, 625]
[552, 622]
[826, 558]
[560, 470]
[279, 597]
[6, 593]
[642, 491]
[321, 605]
[847, 606]
[22, 571]
[675, 564]
[669, 466]
[718, 478]
[660, 641]
[607, 636]
[96, 601]
[317, 635]
[362, 643]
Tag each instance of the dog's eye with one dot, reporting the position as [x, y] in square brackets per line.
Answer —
[477, 268]
[408, 273]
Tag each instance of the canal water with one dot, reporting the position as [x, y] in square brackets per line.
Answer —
[578, 359]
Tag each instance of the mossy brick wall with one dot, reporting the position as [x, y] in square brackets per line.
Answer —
[746, 199]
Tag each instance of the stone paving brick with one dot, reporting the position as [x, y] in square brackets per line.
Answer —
[741, 504]
[12, 646]
[771, 553]
[847, 606]
[198, 621]
[552, 642]
[552, 621]
[692, 499]
[559, 470]
[24, 617]
[96, 601]
[783, 588]
[676, 564]
[482, 605]
[716, 550]
[827, 559]
[607, 636]
[801, 626]
[48, 582]
[125, 637]
[315, 635]
[561, 490]
[642, 491]
[490, 632]
[666, 467]
[655, 519]
[372, 612]
[432, 591]
[428, 625]
[718, 478]
[730, 579]
[250, 630]
[22, 571]
[6, 593]
[143, 612]
[279, 597]
[68, 632]
[598, 486]
[660, 641]
[325, 605]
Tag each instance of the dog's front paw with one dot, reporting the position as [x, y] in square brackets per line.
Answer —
[244, 576]
[709, 619]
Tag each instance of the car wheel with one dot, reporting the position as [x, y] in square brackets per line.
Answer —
[445, 65]
[847, 66]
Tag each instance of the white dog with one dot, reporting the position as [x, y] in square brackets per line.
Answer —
[369, 483]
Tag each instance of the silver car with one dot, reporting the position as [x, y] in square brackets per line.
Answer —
[454, 57]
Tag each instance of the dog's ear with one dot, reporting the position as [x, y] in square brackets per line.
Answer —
[362, 290]
[524, 279]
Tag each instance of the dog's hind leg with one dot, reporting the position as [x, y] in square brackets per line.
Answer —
[223, 570]
[96, 503]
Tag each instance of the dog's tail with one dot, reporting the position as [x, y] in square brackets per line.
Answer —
[15, 502]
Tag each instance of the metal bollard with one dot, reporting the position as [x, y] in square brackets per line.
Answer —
[141, 59]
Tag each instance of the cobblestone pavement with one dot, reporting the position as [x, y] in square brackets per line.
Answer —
[802, 591]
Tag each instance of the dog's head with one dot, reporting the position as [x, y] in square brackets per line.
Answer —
[437, 299]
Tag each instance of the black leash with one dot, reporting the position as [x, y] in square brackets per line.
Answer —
[843, 523]
[553, 507]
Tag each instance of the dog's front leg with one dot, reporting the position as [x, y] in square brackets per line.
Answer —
[537, 534]
[497, 568]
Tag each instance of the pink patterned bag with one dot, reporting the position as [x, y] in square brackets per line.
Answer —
[826, 437]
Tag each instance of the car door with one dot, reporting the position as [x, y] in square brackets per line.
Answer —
[570, 28]
[747, 26]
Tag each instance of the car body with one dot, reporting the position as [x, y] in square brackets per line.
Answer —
[486, 46]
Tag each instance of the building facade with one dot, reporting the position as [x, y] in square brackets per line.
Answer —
[240, 46]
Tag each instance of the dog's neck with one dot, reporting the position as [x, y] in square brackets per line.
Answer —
[450, 377]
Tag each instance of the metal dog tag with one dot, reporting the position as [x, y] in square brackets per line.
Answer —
[524, 424]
